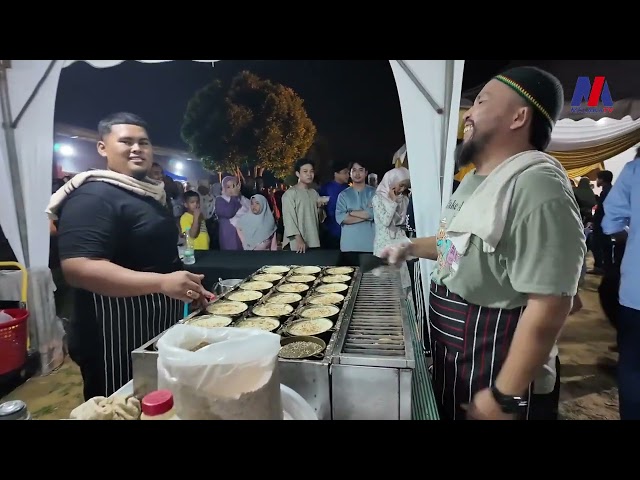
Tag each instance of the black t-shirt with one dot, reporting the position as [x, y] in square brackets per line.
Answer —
[100, 220]
[103, 221]
[599, 215]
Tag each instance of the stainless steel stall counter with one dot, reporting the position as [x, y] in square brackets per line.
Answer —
[367, 369]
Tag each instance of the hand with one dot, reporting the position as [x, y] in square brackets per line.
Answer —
[182, 285]
[621, 237]
[398, 252]
[392, 194]
[205, 299]
[197, 213]
[301, 247]
[484, 407]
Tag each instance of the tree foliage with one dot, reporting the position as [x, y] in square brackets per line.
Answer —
[249, 122]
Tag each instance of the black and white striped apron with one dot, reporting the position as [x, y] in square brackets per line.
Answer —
[125, 324]
[419, 304]
[469, 344]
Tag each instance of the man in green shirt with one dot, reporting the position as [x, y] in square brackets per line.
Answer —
[508, 267]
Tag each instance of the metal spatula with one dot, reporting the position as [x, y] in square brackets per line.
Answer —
[371, 262]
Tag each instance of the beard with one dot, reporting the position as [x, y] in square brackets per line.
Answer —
[466, 152]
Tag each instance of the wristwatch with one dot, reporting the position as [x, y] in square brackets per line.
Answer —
[509, 404]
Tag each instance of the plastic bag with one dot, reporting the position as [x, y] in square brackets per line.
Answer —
[232, 374]
[5, 317]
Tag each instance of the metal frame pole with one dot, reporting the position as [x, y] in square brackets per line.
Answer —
[12, 159]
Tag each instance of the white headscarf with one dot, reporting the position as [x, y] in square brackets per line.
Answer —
[390, 179]
[256, 228]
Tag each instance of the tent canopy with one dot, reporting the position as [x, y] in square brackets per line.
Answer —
[429, 93]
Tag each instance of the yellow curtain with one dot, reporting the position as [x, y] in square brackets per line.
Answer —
[573, 173]
[584, 171]
[461, 113]
[591, 157]
[463, 171]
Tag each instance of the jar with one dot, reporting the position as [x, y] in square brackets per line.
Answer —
[14, 410]
[158, 405]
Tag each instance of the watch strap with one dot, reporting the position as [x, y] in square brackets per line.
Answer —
[509, 404]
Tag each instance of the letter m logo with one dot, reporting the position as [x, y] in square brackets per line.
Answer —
[593, 94]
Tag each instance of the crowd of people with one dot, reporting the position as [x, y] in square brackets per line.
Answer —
[351, 212]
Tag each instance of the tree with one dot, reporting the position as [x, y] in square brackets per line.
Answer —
[249, 122]
[320, 153]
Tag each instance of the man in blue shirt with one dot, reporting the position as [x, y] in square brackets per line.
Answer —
[354, 214]
[331, 229]
[621, 210]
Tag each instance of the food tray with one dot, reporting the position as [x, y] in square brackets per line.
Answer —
[293, 316]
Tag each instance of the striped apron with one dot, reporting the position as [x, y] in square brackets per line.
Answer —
[469, 344]
[101, 346]
[126, 324]
[419, 304]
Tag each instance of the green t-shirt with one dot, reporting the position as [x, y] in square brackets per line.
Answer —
[541, 250]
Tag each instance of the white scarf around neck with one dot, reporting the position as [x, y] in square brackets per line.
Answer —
[484, 213]
[144, 188]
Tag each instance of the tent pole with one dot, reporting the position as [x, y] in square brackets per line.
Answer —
[420, 87]
[15, 122]
[14, 167]
[448, 94]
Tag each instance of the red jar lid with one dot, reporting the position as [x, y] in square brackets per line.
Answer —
[157, 403]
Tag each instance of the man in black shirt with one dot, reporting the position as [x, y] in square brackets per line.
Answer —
[118, 248]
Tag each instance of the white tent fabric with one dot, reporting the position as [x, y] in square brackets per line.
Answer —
[430, 137]
[31, 87]
[113, 63]
[34, 149]
[570, 134]
[34, 144]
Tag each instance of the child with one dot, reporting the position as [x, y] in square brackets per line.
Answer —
[257, 230]
[194, 220]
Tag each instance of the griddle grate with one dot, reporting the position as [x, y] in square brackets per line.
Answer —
[375, 327]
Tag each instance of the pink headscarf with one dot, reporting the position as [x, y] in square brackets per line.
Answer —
[244, 202]
[225, 181]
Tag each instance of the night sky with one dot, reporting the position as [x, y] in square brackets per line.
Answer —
[353, 103]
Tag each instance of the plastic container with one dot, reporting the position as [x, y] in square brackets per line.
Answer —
[14, 337]
[158, 405]
[295, 407]
[14, 410]
[189, 251]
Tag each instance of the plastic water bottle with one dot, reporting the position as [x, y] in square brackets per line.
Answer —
[189, 254]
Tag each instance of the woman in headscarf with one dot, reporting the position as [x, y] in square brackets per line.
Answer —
[257, 229]
[230, 206]
[390, 208]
